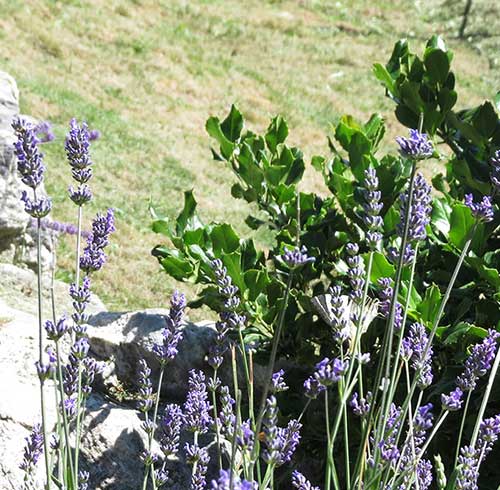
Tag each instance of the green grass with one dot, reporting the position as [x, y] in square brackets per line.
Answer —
[148, 74]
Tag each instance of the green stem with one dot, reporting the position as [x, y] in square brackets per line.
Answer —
[40, 350]
[486, 398]
[216, 420]
[270, 366]
[462, 425]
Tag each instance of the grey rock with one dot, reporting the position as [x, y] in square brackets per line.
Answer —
[125, 338]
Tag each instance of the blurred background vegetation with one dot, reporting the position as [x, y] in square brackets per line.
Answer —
[148, 73]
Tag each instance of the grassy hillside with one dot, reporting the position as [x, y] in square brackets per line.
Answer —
[147, 74]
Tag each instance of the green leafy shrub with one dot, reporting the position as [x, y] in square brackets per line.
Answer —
[268, 174]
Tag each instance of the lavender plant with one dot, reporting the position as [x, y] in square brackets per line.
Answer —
[72, 378]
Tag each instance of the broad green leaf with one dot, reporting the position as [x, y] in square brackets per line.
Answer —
[213, 128]
[233, 124]
[485, 120]
[224, 239]
[456, 332]
[384, 76]
[178, 268]
[440, 217]
[233, 265]
[187, 219]
[429, 306]
[256, 282]
[381, 267]
[277, 133]
[437, 65]
[461, 222]
[489, 274]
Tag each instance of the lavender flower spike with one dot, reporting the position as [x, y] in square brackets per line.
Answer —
[197, 408]
[172, 333]
[453, 401]
[300, 482]
[483, 210]
[278, 382]
[372, 208]
[224, 482]
[29, 159]
[495, 170]
[198, 458]
[170, 425]
[479, 362]
[93, 257]
[416, 147]
[33, 450]
[296, 257]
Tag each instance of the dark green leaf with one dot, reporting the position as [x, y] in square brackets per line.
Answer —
[233, 124]
[224, 239]
[429, 306]
[277, 133]
[461, 222]
[437, 65]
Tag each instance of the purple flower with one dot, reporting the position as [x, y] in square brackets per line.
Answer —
[170, 426]
[43, 132]
[479, 362]
[388, 449]
[83, 480]
[296, 257]
[416, 147]
[483, 210]
[226, 417]
[280, 442]
[77, 150]
[32, 450]
[356, 274]
[224, 482]
[471, 458]
[37, 207]
[278, 382]
[198, 458]
[81, 195]
[197, 408]
[161, 477]
[93, 256]
[55, 332]
[300, 482]
[453, 401]
[81, 297]
[329, 372]
[58, 227]
[413, 348]
[372, 208]
[312, 388]
[495, 170]
[172, 333]
[360, 405]
[145, 402]
[419, 216]
[94, 134]
[90, 367]
[229, 318]
[384, 306]
[29, 159]
[245, 437]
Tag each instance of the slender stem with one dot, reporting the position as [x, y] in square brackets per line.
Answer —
[64, 416]
[346, 445]
[40, 351]
[272, 360]
[151, 435]
[79, 415]
[216, 419]
[462, 425]
[247, 375]
[328, 438]
[78, 242]
[387, 349]
[486, 398]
